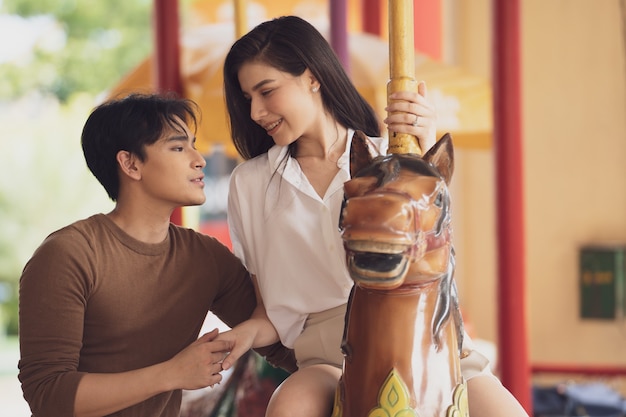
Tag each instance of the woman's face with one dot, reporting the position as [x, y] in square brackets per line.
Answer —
[283, 104]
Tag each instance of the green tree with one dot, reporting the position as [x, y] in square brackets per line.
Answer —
[44, 181]
[103, 41]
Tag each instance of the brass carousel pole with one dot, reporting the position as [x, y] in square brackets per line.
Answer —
[401, 67]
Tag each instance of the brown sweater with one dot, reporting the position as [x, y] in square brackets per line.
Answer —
[93, 299]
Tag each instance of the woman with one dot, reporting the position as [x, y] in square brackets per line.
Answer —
[293, 111]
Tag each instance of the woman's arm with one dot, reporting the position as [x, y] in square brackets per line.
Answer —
[255, 332]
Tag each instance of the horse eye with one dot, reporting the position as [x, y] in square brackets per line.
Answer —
[439, 199]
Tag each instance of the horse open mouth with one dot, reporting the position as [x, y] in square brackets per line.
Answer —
[377, 270]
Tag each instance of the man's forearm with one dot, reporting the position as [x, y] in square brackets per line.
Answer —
[196, 366]
[102, 394]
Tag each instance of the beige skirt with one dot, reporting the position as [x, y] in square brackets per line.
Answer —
[320, 340]
[320, 343]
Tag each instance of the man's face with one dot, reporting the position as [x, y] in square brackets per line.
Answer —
[171, 173]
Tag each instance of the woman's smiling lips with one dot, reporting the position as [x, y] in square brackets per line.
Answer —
[272, 126]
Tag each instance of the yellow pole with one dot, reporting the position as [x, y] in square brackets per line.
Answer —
[241, 21]
[401, 67]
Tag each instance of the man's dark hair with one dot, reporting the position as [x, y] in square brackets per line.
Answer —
[129, 124]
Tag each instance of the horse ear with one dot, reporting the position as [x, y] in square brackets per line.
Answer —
[442, 157]
[360, 153]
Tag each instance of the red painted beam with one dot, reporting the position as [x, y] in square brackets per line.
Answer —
[596, 370]
[371, 17]
[427, 24]
[512, 344]
[167, 49]
[167, 58]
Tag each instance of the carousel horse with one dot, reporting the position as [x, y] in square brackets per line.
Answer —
[403, 334]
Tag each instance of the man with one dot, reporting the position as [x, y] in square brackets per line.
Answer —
[111, 306]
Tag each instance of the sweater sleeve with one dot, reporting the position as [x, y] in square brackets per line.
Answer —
[52, 298]
[235, 299]
[279, 356]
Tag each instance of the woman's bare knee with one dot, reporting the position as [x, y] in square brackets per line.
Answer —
[308, 392]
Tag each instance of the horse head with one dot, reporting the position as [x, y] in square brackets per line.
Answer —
[395, 221]
[404, 332]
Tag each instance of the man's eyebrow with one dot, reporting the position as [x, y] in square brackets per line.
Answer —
[180, 138]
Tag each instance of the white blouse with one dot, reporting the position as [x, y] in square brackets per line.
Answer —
[288, 236]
